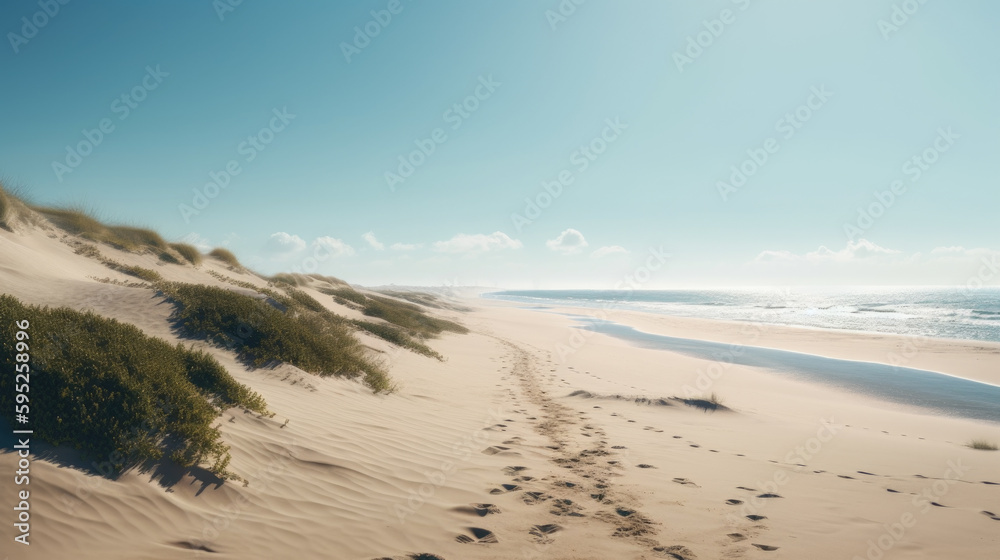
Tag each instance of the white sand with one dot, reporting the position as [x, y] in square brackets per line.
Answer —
[357, 476]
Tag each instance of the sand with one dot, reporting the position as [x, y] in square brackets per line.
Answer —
[529, 441]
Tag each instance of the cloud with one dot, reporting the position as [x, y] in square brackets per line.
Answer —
[478, 243]
[860, 250]
[569, 242]
[373, 241]
[333, 247]
[282, 243]
[406, 246]
[610, 250]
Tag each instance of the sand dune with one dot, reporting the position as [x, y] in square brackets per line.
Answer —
[516, 448]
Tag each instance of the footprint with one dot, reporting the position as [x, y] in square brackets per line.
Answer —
[766, 547]
[686, 482]
[479, 536]
[737, 536]
[991, 515]
[618, 447]
[493, 450]
[867, 473]
[532, 498]
[513, 470]
[746, 488]
[678, 437]
[627, 512]
[675, 552]
[845, 476]
[734, 502]
[565, 507]
[482, 510]
[695, 445]
[988, 482]
[504, 488]
[543, 531]
[645, 466]
[754, 517]
[769, 495]
[891, 490]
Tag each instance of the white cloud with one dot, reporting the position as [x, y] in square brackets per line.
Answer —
[569, 242]
[406, 246]
[282, 243]
[610, 250]
[333, 247]
[860, 250]
[373, 241]
[478, 243]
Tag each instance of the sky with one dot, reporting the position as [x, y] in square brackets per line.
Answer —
[524, 144]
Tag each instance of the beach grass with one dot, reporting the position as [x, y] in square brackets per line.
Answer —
[117, 394]
[226, 256]
[314, 341]
[982, 445]
[190, 253]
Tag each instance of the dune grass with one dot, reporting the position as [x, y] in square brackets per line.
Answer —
[982, 445]
[13, 209]
[116, 394]
[227, 257]
[400, 313]
[190, 253]
[317, 342]
[293, 280]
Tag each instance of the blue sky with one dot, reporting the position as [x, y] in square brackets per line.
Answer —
[618, 99]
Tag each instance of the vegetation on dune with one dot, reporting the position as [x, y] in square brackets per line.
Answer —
[107, 389]
[983, 445]
[12, 208]
[227, 257]
[400, 313]
[397, 336]
[317, 342]
[190, 253]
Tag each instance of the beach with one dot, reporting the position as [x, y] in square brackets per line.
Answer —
[532, 439]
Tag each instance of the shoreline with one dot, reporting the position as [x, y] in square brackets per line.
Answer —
[944, 356]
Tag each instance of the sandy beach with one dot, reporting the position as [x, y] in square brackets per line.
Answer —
[533, 439]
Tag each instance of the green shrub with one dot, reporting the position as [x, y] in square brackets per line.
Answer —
[409, 316]
[107, 389]
[140, 272]
[318, 343]
[226, 256]
[346, 294]
[396, 336]
[190, 253]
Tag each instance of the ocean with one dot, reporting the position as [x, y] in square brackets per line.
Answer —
[957, 313]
